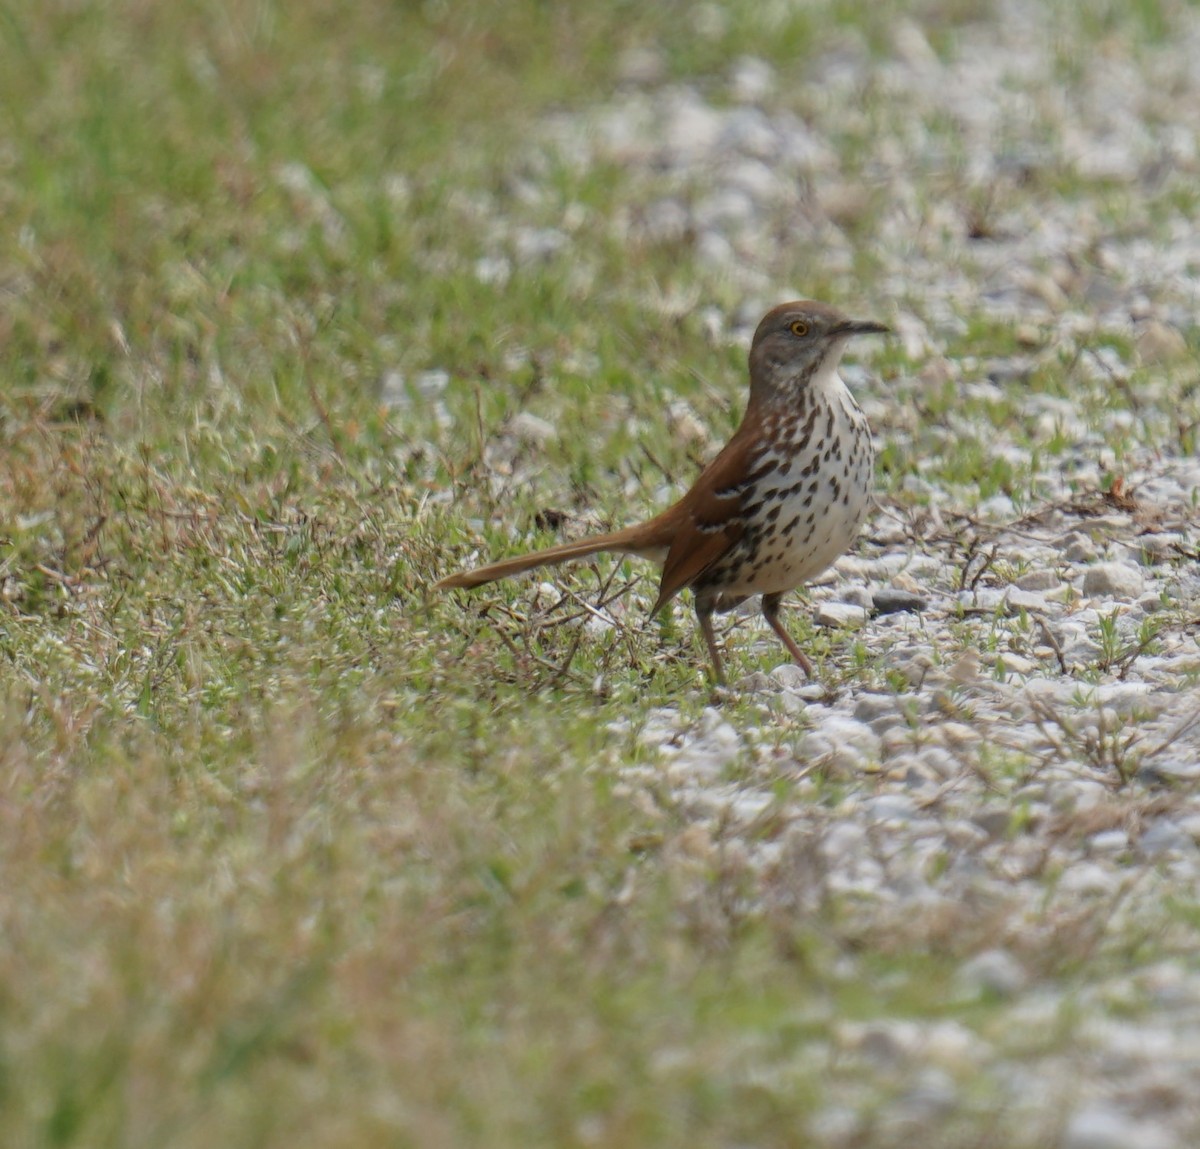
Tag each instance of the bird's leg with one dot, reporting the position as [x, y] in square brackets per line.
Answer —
[704, 612]
[770, 609]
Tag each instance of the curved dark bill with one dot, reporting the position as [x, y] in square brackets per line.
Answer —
[862, 327]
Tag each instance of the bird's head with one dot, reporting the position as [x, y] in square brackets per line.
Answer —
[796, 342]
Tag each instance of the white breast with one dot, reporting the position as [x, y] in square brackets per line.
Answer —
[807, 512]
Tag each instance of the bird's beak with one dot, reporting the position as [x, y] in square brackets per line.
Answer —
[861, 327]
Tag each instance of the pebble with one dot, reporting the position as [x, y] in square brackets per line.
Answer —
[641, 66]
[790, 702]
[839, 614]
[892, 600]
[757, 683]
[663, 221]
[844, 742]
[493, 270]
[1017, 600]
[895, 736]
[992, 973]
[994, 823]
[1177, 769]
[432, 382]
[884, 1042]
[1011, 663]
[723, 208]
[1161, 548]
[1164, 836]
[843, 840]
[537, 244]
[837, 1126]
[933, 1095]
[714, 248]
[940, 762]
[1151, 603]
[1159, 343]
[530, 428]
[1088, 878]
[1098, 1125]
[846, 205]
[1079, 548]
[870, 707]
[751, 79]
[999, 508]
[890, 808]
[1038, 580]
[1113, 580]
[789, 676]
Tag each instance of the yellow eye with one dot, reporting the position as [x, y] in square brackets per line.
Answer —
[798, 328]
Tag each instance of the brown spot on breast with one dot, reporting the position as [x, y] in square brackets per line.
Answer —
[763, 469]
[809, 424]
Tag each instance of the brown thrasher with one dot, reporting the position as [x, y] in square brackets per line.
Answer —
[784, 498]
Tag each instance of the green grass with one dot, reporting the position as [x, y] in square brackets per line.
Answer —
[293, 851]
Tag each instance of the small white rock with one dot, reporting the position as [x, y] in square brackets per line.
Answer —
[843, 840]
[1101, 1126]
[993, 972]
[663, 221]
[641, 66]
[1087, 878]
[1164, 836]
[1113, 580]
[1108, 842]
[494, 270]
[1044, 579]
[997, 509]
[1018, 600]
[849, 743]
[530, 428]
[870, 707]
[756, 683]
[890, 808]
[838, 614]
[883, 1042]
[1151, 603]
[1159, 342]
[751, 80]
[789, 676]
[1078, 548]
[432, 382]
[537, 244]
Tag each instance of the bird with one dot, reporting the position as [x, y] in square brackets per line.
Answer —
[783, 499]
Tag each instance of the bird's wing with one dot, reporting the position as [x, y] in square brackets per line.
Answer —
[708, 521]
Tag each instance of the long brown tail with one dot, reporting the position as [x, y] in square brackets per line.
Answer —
[633, 540]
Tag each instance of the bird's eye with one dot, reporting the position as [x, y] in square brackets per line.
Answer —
[798, 328]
